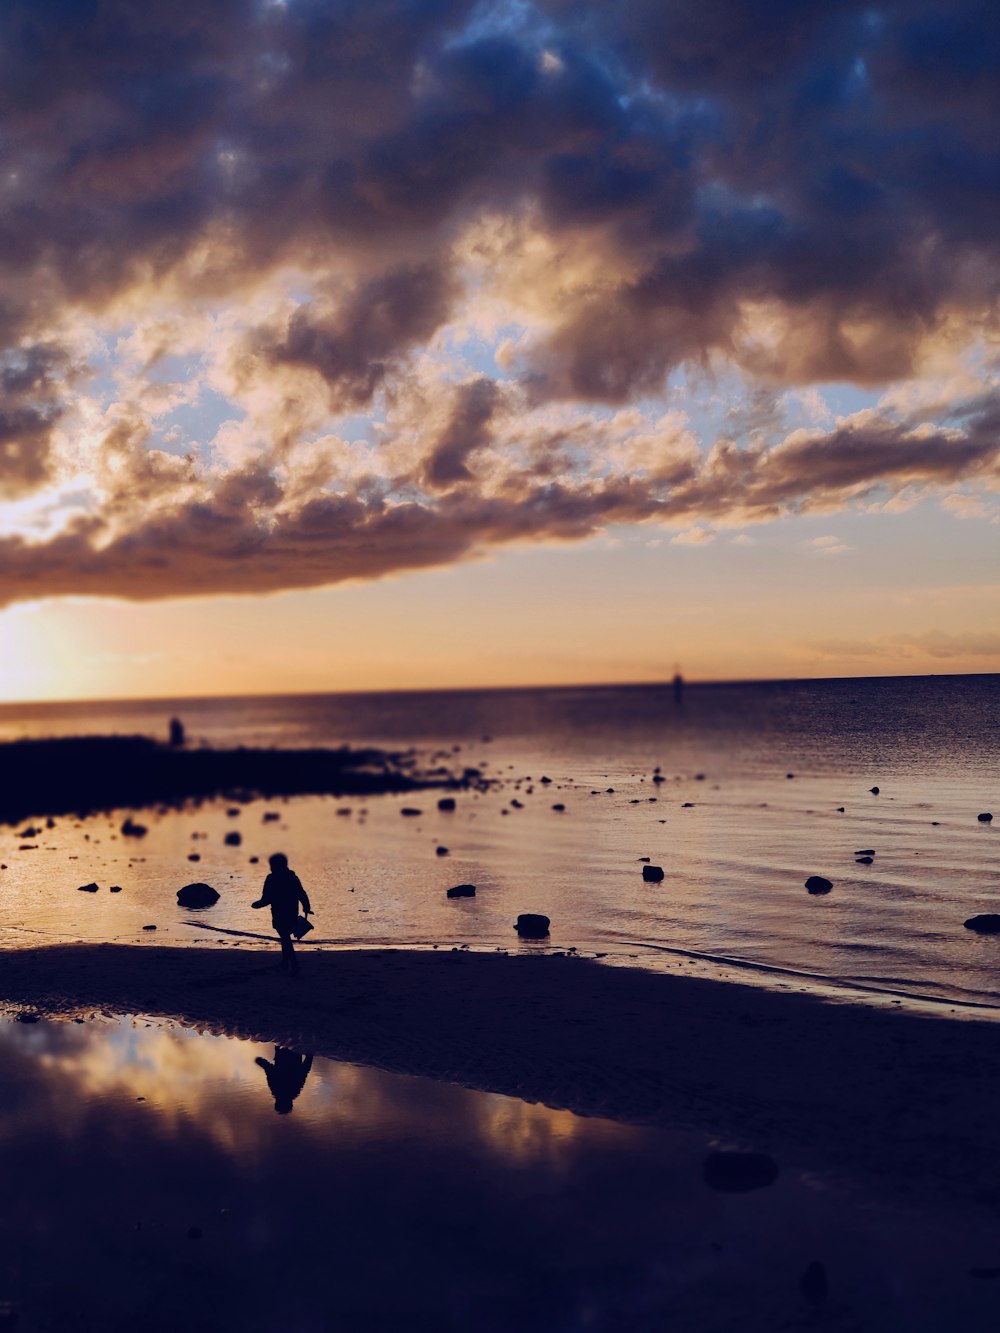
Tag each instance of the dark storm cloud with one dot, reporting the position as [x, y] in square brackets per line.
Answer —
[467, 430]
[825, 170]
[356, 346]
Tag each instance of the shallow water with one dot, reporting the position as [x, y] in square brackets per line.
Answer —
[148, 1183]
[735, 858]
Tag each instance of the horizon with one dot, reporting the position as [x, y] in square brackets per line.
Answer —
[665, 683]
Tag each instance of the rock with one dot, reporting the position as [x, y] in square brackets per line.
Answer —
[29, 832]
[462, 891]
[517, 805]
[813, 1284]
[532, 926]
[987, 923]
[558, 806]
[441, 851]
[194, 856]
[197, 895]
[864, 860]
[344, 810]
[411, 811]
[739, 1172]
[840, 809]
[658, 778]
[233, 811]
[149, 927]
[233, 839]
[545, 780]
[652, 874]
[817, 884]
[699, 777]
[687, 805]
[87, 888]
[866, 851]
[789, 775]
[254, 860]
[130, 829]
[985, 817]
[873, 790]
[446, 803]
[28, 1018]
[270, 817]
[115, 888]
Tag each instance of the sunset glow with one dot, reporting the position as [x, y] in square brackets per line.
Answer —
[435, 344]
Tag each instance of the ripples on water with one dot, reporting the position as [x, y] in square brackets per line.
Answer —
[735, 860]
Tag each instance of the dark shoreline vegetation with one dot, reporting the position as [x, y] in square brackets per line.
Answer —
[80, 775]
[909, 1100]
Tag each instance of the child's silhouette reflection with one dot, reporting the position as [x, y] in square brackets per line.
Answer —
[286, 1076]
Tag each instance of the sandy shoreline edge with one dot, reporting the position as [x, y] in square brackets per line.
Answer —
[912, 1100]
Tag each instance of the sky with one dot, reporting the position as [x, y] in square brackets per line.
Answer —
[380, 344]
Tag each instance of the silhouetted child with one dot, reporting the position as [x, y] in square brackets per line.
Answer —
[283, 892]
[286, 1076]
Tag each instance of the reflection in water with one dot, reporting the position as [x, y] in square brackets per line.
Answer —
[152, 1167]
[286, 1076]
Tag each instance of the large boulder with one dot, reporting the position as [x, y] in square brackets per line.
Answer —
[987, 923]
[532, 926]
[818, 884]
[87, 888]
[197, 895]
[985, 817]
[652, 874]
[462, 891]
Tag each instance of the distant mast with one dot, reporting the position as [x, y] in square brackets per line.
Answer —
[678, 687]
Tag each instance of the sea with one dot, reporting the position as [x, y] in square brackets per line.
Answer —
[738, 792]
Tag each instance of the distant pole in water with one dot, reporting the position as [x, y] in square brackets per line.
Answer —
[678, 688]
[176, 731]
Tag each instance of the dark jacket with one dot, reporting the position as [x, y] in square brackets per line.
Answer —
[283, 892]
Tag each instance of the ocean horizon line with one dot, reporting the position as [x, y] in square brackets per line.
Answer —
[554, 687]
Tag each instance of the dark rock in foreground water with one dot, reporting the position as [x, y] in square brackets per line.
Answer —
[446, 803]
[652, 874]
[197, 895]
[864, 861]
[985, 817]
[874, 790]
[987, 923]
[532, 925]
[233, 839]
[87, 888]
[813, 1284]
[130, 829]
[462, 891]
[818, 884]
[149, 927]
[411, 811]
[115, 888]
[739, 1172]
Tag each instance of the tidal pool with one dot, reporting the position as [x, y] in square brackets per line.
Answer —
[158, 1178]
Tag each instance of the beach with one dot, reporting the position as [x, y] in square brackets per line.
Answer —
[815, 1075]
[908, 1100]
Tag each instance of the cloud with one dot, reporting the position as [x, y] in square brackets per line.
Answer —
[827, 546]
[300, 293]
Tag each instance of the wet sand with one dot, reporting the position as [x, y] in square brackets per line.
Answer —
[910, 1100]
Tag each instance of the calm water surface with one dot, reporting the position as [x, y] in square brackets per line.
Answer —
[149, 1184]
[735, 835]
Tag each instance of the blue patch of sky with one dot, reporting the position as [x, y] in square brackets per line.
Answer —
[192, 426]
